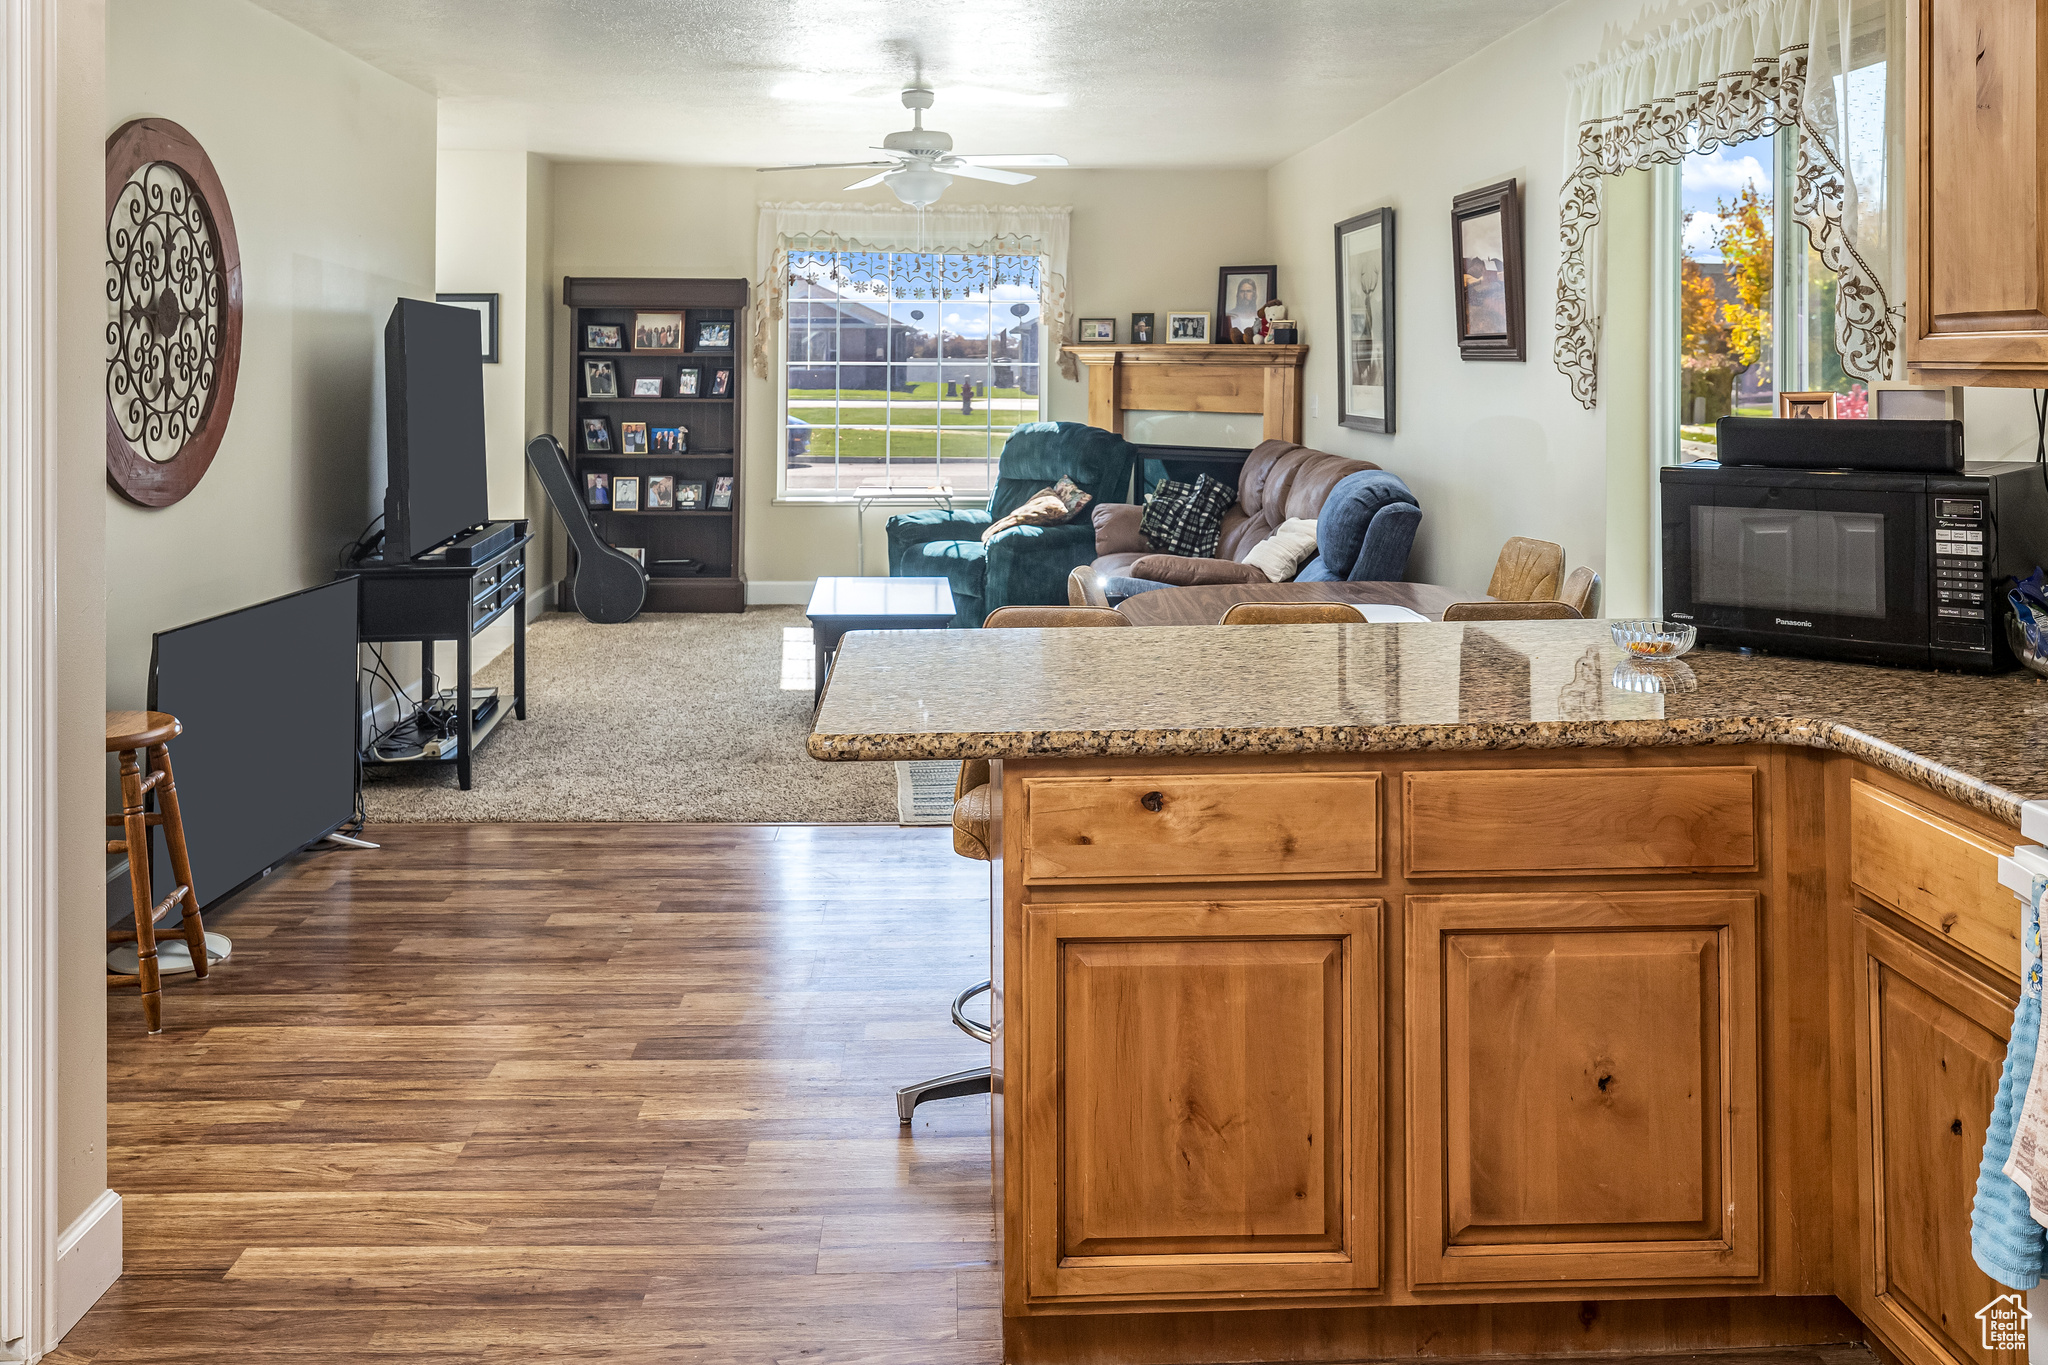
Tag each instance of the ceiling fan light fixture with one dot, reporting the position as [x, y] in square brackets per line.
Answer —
[917, 186]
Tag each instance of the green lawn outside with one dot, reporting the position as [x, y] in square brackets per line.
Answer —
[927, 392]
[901, 446]
[903, 415]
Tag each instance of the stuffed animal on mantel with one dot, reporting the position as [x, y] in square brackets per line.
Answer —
[1271, 315]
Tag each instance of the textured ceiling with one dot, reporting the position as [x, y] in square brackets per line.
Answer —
[1121, 83]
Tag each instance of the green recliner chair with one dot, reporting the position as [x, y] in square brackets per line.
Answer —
[1025, 566]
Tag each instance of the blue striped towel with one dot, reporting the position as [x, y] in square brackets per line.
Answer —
[2005, 1240]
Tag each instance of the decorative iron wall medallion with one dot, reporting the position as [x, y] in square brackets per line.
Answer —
[174, 311]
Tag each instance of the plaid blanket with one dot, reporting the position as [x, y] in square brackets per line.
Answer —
[1187, 518]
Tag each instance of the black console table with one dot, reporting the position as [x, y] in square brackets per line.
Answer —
[428, 599]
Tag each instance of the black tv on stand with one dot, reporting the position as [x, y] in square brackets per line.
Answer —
[437, 487]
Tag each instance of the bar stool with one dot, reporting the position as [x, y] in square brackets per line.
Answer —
[132, 734]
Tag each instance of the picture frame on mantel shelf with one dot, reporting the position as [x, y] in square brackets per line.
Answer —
[1486, 266]
[1141, 329]
[1365, 321]
[1241, 291]
[1187, 329]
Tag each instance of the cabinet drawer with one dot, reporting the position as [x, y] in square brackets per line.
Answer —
[1933, 872]
[1538, 822]
[1201, 827]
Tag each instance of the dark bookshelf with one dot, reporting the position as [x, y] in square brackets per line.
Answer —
[709, 535]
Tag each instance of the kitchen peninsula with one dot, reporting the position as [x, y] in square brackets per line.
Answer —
[1372, 991]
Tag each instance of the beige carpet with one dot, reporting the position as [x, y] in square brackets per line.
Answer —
[670, 717]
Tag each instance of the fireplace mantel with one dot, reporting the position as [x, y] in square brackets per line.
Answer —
[1170, 378]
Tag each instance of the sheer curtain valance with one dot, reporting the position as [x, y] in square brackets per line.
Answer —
[994, 230]
[1736, 70]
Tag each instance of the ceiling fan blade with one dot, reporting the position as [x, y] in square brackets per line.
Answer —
[984, 173]
[826, 166]
[874, 179]
[1016, 159]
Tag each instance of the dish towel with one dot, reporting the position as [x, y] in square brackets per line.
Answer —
[2028, 1164]
[2006, 1242]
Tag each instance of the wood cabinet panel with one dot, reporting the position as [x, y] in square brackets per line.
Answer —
[1934, 872]
[1201, 1098]
[1930, 1045]
[1201, 826]
[1583, 1087]
[1579, 820]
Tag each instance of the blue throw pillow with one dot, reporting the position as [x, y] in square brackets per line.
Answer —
[1347, 513]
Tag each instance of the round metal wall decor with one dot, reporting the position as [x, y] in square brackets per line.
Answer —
[174, 311]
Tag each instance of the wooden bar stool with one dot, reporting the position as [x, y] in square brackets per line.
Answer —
[131, 734]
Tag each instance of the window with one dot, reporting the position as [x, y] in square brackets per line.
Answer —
[905, 372]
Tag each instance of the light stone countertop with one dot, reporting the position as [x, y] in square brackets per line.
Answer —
[1427, 685]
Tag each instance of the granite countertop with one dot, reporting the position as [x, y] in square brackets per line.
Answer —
[1427, 685]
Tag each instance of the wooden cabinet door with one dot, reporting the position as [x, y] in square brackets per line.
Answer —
[1201, 1098]
[1582, 1087]
[1977, 291]
[1930, 1043]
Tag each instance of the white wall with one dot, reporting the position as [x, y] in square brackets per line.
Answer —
[1143, 241]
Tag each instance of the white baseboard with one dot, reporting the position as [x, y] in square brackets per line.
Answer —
[771, 592]
[88, 1259]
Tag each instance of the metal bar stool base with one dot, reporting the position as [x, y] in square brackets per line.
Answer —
[973, 1081]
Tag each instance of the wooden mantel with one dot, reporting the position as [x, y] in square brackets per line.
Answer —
[1169, 378]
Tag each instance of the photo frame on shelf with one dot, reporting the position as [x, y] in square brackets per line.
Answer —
[661, 492]
[689, 497]
[600, 379]
[1365, 321]
[714, 336]
[647, 386]
[1098, 329]
[669, 440]
[687, 379]
[721, 383]
[1486, 263]
[1241, 291]
[1815, 406]
[632, 438]
[597, 489]
[486, 307]
[656, 333]
[626, 493]
[1141, 329]
[597, 436]
[637, 552]
[1904, 400]
[1187, 329]
[721, 492]
[604, 336]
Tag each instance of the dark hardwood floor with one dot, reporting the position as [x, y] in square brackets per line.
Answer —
[567, 1092]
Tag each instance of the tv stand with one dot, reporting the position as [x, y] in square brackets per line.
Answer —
[431, 598]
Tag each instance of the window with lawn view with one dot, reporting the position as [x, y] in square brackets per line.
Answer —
[905, 372]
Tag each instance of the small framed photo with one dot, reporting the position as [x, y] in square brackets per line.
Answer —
[626, 493]
[689, 496]
[658, 332]
[1141, 329]
[1098, 329]
[1241, 291]
[686, 381]
[1365, 321]
[632, 438]
[600, 379]
[1807, 406]
[1898, 400]
[597, 489]
[485, 306]
[604, 336]
[721, 383]
[661, 492]
[597, 436]
[637, 552]
[721, 491]
[1187, 329]
[669, 440]
[1486, 259]
[714, 336]
[647, 386]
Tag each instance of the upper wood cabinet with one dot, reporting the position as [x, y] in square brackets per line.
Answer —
[1976, 229]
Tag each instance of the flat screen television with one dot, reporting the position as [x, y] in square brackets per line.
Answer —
[267, 762]
[436, 485]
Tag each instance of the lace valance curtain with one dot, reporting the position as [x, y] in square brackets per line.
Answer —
[1736, 70]
[987, 229]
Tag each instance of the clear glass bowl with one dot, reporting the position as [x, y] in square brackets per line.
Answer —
[1653, 676]
[1653, 639]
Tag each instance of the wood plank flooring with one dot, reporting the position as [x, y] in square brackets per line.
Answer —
[611, 1093]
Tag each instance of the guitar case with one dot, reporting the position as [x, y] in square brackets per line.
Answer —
[610, 586]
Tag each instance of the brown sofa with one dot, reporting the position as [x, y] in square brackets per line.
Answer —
[1279, 480]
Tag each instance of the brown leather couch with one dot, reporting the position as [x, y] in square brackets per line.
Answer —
[1279, 480]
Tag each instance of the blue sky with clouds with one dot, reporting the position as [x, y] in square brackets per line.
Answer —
[1719, 175]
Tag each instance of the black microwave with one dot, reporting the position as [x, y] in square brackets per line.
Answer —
[1898, 568]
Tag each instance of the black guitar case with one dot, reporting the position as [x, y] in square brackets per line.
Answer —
[610, 587]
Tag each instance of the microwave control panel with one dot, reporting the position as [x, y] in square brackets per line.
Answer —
[1962, 609]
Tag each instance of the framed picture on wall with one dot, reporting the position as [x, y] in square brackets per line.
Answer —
[486, 308]
[1486, 259]
[1241, 291]
[1365, 321]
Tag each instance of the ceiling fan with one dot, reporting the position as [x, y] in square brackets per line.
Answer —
[924, 163]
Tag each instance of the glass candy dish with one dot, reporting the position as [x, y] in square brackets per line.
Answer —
[1652, 640]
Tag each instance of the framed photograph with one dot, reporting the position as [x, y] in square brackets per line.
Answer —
[1365, 321]
[626, 493]
[604, 336]
[632, 438]
[721, 383]
[1486, 258]
[669, 440]
[1808, 406]
[1895, 400]
[686, 382]
[1241, 291]
[1098, 329]
[597, 489]
[689, 497]
[597, 436]
[661, 492]
[638, 553]
[486, 308]
[658, 332]
[1187, 329]
[647, 386]
[721, 491]
[714, 336]
[600, 379]
[1141, 329]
